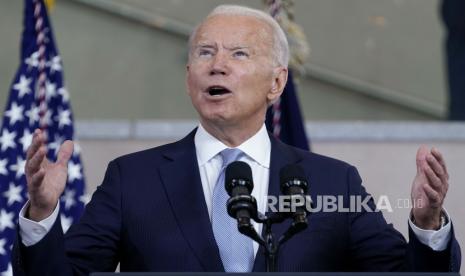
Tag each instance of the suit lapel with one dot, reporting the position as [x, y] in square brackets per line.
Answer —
[281, 155]
[181, 179]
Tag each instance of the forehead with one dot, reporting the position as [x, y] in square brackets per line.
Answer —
[233, 29]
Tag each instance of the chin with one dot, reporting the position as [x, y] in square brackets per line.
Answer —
[216, 118]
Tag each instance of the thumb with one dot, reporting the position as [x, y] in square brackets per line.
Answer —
[421, 156]
[65, 152]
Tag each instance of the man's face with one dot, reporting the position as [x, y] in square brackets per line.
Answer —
[231, 77]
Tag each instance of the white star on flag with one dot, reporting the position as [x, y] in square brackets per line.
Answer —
[55, 145]
[33, 60]
[3, 163]
[7, 140]
[6, 220]
[33, 115]
[13, 194]
[15, 113]
[74, 171]
[85, 198]
[26, 140]
[64, 118]
[2, 247]
[55, 64]
[68, 198]
[22, 86]
[8, 272]
[50, 90]
[64, 94]
[77, 148]
[19, 167]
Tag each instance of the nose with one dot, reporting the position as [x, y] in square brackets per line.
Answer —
[219, 65]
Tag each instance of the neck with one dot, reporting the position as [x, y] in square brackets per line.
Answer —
[231, 135]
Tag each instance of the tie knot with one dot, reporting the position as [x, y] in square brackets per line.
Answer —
[230, 155]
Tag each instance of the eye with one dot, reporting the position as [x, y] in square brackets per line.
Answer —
[205, 53]
[241, 54]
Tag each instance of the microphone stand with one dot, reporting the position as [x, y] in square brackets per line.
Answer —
[243, 206]
[268, 240]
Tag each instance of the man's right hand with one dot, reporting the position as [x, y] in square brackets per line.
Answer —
[45, 180]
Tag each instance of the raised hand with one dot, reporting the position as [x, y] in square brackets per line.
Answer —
[45, 180]
[429, 188]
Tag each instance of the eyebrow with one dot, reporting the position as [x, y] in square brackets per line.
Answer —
[236, 48]
[204, 45]
[210, 46]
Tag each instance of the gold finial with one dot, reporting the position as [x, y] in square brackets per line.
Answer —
[50, 4]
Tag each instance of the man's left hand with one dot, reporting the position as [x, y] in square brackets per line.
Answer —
[429, 188]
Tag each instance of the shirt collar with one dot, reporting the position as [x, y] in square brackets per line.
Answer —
[257, 147]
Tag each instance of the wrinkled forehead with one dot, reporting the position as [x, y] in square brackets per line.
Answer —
[233, 30]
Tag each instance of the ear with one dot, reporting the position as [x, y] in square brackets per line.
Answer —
[278, 84]
[186, 79]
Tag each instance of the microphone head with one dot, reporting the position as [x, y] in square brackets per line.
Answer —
[292, 176]
[238, 177]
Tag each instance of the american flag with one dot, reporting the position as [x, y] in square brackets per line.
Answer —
[38, 99]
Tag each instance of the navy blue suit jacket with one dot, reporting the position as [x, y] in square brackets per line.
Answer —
[150, 214]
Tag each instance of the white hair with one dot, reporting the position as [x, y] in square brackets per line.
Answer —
[280, 44]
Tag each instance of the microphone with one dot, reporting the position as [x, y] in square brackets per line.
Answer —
[239, 185]
[294, 184]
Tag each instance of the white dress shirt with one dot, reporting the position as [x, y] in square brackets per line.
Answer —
[257, 151]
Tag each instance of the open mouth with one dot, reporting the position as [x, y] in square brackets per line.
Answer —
[217, 90]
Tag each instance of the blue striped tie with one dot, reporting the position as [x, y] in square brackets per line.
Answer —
[236, 250]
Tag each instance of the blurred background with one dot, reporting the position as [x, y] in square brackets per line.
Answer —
[375, 87]
[370, 60]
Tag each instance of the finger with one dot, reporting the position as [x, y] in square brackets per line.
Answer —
[34, 164]
[36, 180]
[439, 169]
[421, 156]
[438, 155]
[65, 152]
[436, 166]
[37, 141]
[434, 181]
[433, 196]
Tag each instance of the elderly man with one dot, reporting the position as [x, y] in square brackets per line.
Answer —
[163, 209]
